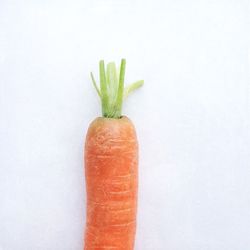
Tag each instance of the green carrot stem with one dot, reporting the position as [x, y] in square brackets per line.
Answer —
[112, 91]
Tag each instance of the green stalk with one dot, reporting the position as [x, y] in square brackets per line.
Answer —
[120, 89]
[112, 92]
[95, 85]
[104, 92]
[129, 89]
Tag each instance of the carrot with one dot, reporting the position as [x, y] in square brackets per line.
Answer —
[111, 167]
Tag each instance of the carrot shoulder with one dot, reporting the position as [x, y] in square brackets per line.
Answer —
[111, 172]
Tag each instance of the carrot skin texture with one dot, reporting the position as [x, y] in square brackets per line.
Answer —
[111, 172]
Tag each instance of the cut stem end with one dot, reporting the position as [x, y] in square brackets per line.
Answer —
[112, 91]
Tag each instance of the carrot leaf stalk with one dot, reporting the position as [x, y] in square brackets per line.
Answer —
[112, 91]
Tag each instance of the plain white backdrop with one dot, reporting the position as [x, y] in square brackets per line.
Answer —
[192, 118]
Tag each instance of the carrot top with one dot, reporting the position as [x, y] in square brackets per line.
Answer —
[112, 91]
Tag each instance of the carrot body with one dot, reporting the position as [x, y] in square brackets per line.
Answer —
[111, 172]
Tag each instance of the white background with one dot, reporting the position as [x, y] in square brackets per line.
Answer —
[192, 118]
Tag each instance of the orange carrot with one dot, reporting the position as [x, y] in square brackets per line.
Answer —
[111, 168]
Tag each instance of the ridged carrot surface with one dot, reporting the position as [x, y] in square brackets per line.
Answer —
[111, 169]
[111, 165]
